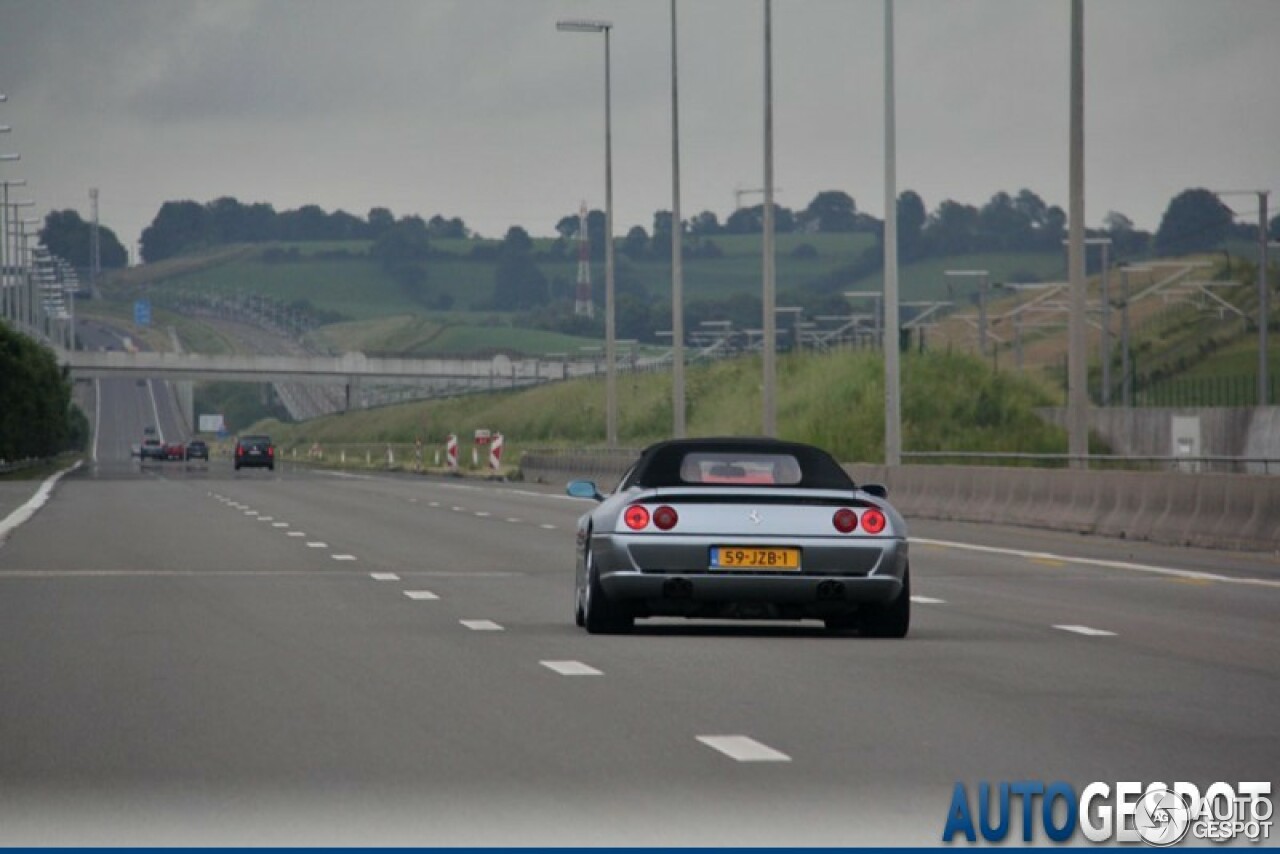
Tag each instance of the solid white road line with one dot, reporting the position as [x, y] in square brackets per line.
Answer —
[316, 544]
[481, 625]
[1085, 630]
[296, 534]
[421, 595]
[1106, 564]
[384, 576]
[743, 749]
[571, 668]
[34, 503]
[926, 600]
[343, 557]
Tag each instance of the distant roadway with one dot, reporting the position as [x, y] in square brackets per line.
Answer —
[192, 655]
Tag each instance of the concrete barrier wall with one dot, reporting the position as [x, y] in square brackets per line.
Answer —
[1227, 511]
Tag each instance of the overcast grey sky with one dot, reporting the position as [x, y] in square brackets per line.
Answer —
[481, 109]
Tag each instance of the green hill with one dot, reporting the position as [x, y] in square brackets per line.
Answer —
[952, 403]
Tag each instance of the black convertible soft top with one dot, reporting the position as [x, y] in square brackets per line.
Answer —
[660, 464]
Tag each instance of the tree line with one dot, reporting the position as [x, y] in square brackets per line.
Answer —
[37, 417]
[184, 226]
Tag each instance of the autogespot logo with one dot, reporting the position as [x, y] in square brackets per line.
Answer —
[1157, 814]
[1162, 817]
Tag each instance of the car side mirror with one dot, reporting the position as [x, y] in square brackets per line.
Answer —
[879, 490]
[584, 489]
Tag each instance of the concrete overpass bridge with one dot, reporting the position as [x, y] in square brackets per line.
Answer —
[350, 369]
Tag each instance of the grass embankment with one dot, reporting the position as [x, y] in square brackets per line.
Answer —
[953, 403]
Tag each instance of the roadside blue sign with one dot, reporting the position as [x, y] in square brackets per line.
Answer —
[142, 312]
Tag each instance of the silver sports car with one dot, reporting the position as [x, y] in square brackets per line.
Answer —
[741, 528]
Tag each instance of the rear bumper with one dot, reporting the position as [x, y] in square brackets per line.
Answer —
[780, 590]
[838, 576]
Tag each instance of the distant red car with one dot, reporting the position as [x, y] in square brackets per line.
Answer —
[175, 451]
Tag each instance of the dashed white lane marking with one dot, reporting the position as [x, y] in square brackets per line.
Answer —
[316, 544]
[571, 668]
[279, 524]
[1085, 630]
[1106, 564]
[547, 527]
[482, 513]
[482, 625]
[926, 600]
[456, 509]
[433, 503]
[421, 595]
[743, 749]
[513, 520]
[266, 518]
[296, 534]
[343, 557]
[251, 512]
[384, 576]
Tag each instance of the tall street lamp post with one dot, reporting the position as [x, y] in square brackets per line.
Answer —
[1077, 366]
[892, 406]
[770, 419]
[8, 306]
[610, 342]
[677, 254]
[13, 256]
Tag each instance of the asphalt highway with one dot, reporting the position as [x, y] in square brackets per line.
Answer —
[192, 655]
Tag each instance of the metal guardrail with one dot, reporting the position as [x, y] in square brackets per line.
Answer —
[1233, 465]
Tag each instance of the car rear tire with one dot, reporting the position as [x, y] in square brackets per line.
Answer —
[891, 620]
[600, 615]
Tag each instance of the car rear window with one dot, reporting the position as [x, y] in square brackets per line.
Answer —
[776, 464]
[745, 469]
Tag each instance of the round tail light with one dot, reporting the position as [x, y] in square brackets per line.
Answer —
[873, 521]
[845, 520]
[665, 518]
[636, 517]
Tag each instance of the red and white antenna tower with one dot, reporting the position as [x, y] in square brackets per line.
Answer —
[582, 304]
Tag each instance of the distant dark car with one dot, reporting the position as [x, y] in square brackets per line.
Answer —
[255, 451]
[152, 449]
[197, 450]
[175, 451]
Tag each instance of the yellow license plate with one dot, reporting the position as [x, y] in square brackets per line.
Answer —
[753, 557]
